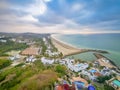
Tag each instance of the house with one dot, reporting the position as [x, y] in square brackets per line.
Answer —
[88, 75]
[105, 71]
[15, 57]
[2, 40]
[30, 59]
[76, 67]
[13, 39]
[114, 82]
[50, 53]
[92, 74]
[47, 61]
[79, 83]
[62, 62]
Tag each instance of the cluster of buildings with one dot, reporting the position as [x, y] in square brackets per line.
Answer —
[30, 59]
[114, 82]
[51, 54]
[47, 61]
[49, 51]
[15, 57]
[27, 41]
[77, 83]
[2, 39]
[76, 67]
[93, 73]
[69, 63]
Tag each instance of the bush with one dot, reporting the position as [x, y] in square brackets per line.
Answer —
[40, 81]
[4, 63]
[102, 79]
[60, 69]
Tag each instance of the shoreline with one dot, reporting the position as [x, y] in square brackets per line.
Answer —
[99, 56]
[68, 49]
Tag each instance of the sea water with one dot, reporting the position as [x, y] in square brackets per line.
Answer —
[107, 42]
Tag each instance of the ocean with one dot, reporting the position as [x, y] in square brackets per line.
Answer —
[107, 42]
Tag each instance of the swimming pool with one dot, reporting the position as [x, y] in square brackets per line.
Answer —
[93, 70]
[79, 84]
[117, 82]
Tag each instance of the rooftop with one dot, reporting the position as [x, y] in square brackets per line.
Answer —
[117, 82]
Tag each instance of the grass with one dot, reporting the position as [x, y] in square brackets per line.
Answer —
[18, 77]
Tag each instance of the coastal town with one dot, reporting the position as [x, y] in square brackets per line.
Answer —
[44, 59]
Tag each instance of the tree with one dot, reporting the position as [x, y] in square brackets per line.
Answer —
[101, 79]
[60, 69]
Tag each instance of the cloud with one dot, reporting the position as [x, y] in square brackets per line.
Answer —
[47, 0]
[28, 18]
[77, 7]
[59, 16]
[38, 8]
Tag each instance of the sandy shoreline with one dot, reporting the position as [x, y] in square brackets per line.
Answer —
[68, 49]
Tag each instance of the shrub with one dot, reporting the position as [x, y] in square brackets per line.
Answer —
[4, 63]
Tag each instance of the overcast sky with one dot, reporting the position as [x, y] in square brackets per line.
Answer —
[60, 16]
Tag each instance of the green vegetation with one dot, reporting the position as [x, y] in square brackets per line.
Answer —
[19, 78]
[103, 87]
[107, 87]
[4, 63]
[102, 79]
[52, 45]
[40, 42]
[41, 81]
[9, 45]
[19, 65]
[61, 70]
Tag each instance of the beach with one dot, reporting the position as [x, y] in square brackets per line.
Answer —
[68, 49]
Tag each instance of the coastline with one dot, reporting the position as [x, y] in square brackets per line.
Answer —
[68, 49]
[99, 56]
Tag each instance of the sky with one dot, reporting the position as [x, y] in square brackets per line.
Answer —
[60, 16]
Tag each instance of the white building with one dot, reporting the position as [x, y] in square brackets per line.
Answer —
[13, 39]
[106, 71]
[88, 74]
[2, 40]
[76, 67]
[15, 57]
[52, 53]
[46, 61]
[30, 59]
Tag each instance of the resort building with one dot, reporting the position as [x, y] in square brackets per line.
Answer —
[46, 61]
[114, 82]
[79, 83]
[50, 53]
[92, 74]
[30, 59]
[76, 67]
[105, 71]
[3, 41]
[15, 57]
